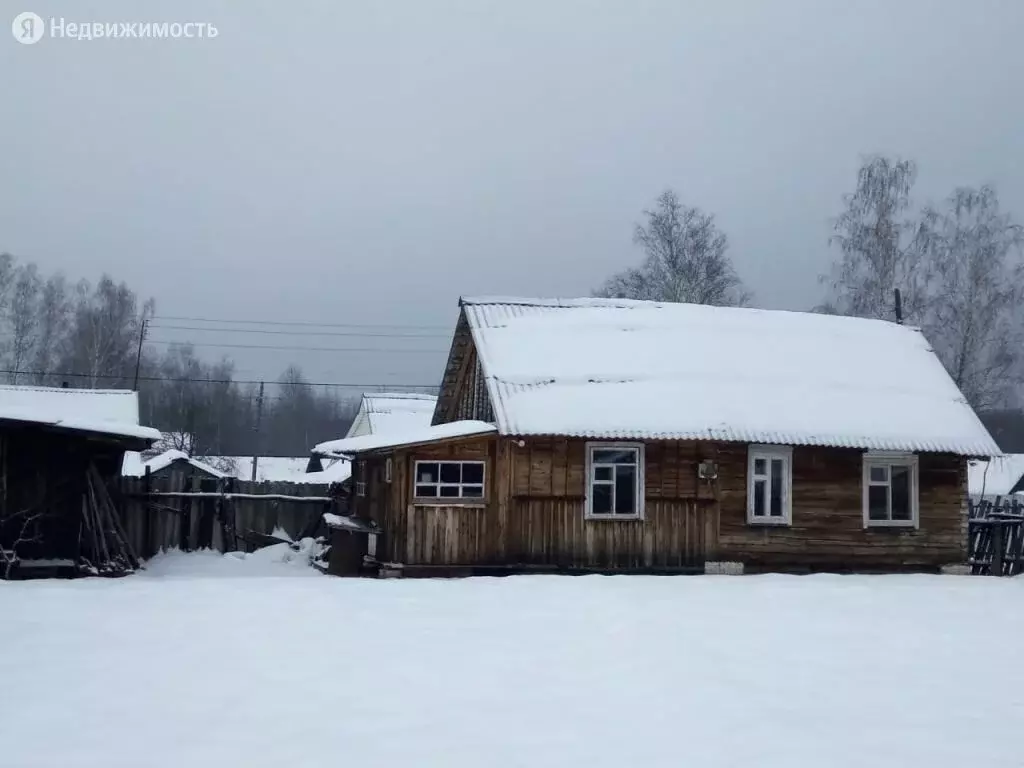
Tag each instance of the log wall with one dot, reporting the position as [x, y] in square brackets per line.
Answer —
[533, 512]
[827, 530]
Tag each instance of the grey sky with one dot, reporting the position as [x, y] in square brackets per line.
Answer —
[370, 162]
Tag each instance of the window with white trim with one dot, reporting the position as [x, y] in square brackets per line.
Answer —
[449, 480]
[360, 488]
[890, 490]
[615, 481]
[769, 485]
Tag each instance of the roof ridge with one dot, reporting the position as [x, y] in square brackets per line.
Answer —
[596, 302]
[399, 395]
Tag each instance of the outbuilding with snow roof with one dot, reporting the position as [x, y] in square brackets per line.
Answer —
[61, 452]
[612, 435]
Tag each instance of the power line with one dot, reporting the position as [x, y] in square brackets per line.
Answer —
[302, 332]
[188, 379]
[179, 318]
[298, 349]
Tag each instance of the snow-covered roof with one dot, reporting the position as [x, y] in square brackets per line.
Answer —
[382, 412]
[273, 469]
[615, 368]
[103, 411]
[999, 477]
[350, 445]
[134, 466]
[348, 523]
[337, 472]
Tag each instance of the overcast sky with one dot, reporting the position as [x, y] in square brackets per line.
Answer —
[369, 162]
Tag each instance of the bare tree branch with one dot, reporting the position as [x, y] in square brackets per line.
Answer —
[686, 259]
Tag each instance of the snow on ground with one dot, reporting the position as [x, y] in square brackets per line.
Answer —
[529, 671]
[277, 560]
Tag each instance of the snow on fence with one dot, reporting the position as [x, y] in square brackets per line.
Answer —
[995, 532]
[190, 512]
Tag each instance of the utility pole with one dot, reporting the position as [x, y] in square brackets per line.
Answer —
[256, 439]
[138, 355]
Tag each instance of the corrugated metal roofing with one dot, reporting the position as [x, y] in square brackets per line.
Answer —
[621, 369]
[348, 446]
[386, 412]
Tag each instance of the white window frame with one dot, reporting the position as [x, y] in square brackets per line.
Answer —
[888, 459]
[769, 453]
[360, 488]
[460, 499]
[638, 501]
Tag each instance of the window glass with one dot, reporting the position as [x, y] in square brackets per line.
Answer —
[601, 499]
[449, 479]
[625, 490]
[878, 502]
[614, 456]
[776, 488]
[900, 484]
[769, 480]
[473, 473]
[759, 488]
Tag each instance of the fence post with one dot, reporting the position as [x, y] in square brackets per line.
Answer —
[147, 548]
[998, 548]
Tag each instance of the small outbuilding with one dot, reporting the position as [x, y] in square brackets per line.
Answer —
[61, 452]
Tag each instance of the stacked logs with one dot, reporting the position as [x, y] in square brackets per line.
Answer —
[101, 534]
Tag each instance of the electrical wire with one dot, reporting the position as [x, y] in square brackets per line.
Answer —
[297, 349]
[299, 324]
[187, 379]
[303, 332]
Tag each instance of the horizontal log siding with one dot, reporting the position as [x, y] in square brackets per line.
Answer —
[828, 530]
[534, 511]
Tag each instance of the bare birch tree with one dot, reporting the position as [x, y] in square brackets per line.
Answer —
[23, 310]
[686, 259]
[107, 322]
[8, 267]
[880, 245]
[976, 281]
[54, 323]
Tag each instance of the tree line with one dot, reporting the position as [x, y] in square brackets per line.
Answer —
[57, 333]
[957, 264]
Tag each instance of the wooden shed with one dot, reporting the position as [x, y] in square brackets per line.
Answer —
[618, 436]
[60, 457]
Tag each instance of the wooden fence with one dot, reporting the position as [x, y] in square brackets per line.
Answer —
[995, 530]
[189, 512]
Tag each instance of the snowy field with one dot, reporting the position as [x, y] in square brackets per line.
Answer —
[215, 661]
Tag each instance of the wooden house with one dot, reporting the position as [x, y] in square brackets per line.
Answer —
[621, 436]
[61, 452]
